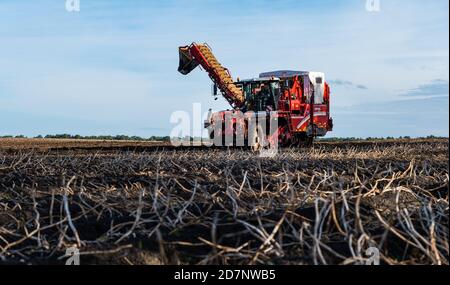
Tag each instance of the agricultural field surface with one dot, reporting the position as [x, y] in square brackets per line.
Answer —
[122, 202]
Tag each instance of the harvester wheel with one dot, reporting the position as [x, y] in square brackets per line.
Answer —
[309, 142]
[302, 140]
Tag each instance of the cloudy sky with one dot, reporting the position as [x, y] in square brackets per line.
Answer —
[111, 68]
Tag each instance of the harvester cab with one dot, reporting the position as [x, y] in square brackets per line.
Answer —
[261, 94]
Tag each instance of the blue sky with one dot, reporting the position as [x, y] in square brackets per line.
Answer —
[112, 67]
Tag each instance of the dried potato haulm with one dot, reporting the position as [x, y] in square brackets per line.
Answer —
[325, 205]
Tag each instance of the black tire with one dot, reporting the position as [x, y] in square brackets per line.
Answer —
[303, 140]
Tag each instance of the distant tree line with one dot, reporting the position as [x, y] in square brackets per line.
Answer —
[376, 138]
[167, 138]
[79, 137]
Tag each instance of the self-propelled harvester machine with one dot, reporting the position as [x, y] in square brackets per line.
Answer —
[298, 101]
